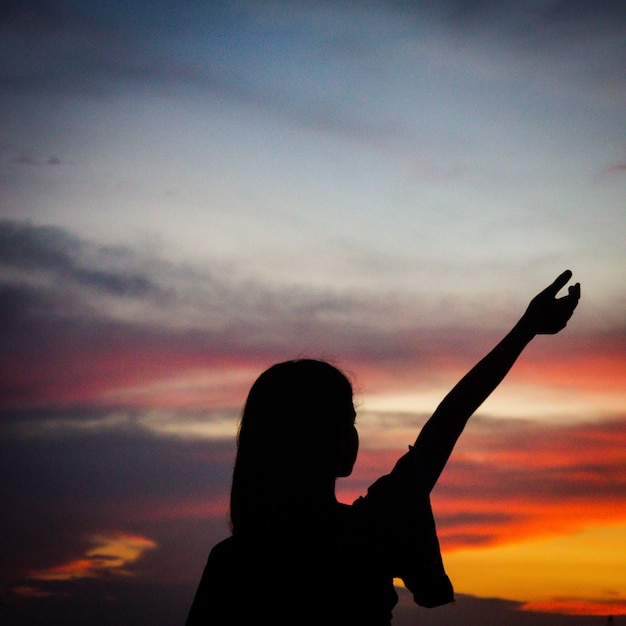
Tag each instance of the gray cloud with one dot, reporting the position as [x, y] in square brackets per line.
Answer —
[520, 20]
[53, 250]
[27, 159]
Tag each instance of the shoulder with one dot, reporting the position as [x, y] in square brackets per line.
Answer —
[404, 484]
[224, 559]
[214, 593]
[222, 549]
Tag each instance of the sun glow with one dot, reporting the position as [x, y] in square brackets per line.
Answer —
[584, 572]
[514, 401]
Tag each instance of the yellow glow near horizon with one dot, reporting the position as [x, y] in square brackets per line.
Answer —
[586, 566]
[517, 401]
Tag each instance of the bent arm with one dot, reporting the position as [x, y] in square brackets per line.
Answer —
[545, 315]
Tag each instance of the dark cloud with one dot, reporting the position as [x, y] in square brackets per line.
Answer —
[27, 159]
[598, 17]
[100, 603]
[127, 603]
[51, 249]
[69, 484]
[471, 611]
[120, 272]
[523, 19]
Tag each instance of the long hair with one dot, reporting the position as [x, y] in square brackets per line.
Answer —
[294, 431]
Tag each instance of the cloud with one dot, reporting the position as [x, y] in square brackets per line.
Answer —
[110, 554]
[83, 322]
[27, 159]
[79, 319]
[99, 602]
[615, 170]
[533, 479]
[468, 610]
[530, 21]
[118, 412]
[116, 478]
[511, 480]
[65, 257]
[598, 18]
[57, 263]
[507, 480]
[575, 606]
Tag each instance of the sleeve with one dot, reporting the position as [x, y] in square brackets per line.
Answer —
[399, 508]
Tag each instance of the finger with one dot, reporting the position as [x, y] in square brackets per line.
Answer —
[560, 282]
[574, 292]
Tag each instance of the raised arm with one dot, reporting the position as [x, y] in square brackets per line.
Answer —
[546, 314]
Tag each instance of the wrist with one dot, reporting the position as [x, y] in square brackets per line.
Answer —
[524, 330]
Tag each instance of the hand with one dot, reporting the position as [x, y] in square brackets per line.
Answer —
[546, 314]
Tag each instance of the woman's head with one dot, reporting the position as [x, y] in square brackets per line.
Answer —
[296, 431]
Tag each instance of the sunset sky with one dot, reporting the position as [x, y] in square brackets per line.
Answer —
[192, 191]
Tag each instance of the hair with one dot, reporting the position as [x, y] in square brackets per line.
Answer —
[296, 430]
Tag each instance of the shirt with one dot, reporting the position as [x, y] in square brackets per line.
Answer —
[330, 566]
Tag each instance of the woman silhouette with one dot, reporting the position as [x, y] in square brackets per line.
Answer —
[298, 556]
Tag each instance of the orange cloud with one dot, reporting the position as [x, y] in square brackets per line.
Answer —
[533, 480]
[110, 553]
[509, 480]
[576, 606]
[28, 591]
